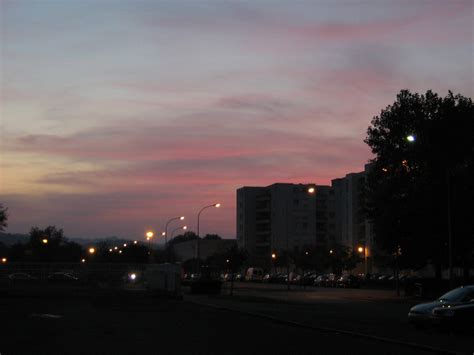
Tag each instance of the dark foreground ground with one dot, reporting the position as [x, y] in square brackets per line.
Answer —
[137, 323]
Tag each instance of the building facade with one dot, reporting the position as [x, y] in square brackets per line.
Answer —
[353, 229]
[283, 217]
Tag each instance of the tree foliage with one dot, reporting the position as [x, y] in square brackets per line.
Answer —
[187, 236]
[50, 245]
[212, 237]
[411, 183]
[3, 217]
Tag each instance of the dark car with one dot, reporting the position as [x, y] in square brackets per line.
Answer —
[62, 277]
[347, 281]
[321, 280]
[460, 317]
[421, 314]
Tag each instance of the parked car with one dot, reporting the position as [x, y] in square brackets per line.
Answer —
[423, 314]
[308, 278]
[62, 277]
[347, 281]
[254, 274]
[332, 280]
[321, 280]
[277, 278]
[460, 317]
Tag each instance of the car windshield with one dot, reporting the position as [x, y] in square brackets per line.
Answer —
[455, 295]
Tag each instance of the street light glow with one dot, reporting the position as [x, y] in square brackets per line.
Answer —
[124, 245]
[135, 242]
[149, 234]
[4, 260]
[311, 190]
[217, 205]
[83, 260]
[274, 256]
[411, 138]
[331, 251]
[45, 241]
[91, 250]
[360, 249]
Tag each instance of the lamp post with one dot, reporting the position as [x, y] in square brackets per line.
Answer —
[174, 230]
[198, 252]
[149, 236]
[274, 256]
[165, 233]
[364, 250]
[311, 190]
[411, 138]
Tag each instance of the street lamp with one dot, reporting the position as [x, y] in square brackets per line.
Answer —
[412, 138]
[91, 251]
[364, 250]
[310, 190]
[165, 233]
[4, 260]
[274, 256]
[174, 230]
[216, 205]
[149, 235]
[45, 241]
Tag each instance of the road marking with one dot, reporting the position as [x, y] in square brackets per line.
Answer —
[45, 315]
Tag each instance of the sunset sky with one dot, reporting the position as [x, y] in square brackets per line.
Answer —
[118, 115]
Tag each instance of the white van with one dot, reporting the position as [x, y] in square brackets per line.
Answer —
[254, 274]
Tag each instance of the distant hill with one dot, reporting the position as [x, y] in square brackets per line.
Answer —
[10, 239]
[13, 238]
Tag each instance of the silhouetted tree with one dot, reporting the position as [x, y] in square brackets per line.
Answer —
[212, 237]
[3, 217]
[412, 181]
[234, 258]
[48, 245]
[187, 236]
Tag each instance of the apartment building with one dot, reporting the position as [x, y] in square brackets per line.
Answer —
[283, 217]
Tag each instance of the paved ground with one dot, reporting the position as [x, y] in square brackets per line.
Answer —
[372, 312]
[134, 322]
